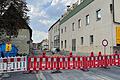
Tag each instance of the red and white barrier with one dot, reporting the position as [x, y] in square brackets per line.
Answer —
[71, 62]
[13, 64]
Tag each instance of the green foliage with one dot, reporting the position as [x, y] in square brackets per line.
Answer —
[13, 15]
[19, 4]
[24, 54]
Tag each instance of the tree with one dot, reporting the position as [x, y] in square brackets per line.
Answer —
[13, 14]
[20, 5]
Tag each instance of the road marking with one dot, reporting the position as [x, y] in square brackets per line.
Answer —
[40, 76]
[37, 75]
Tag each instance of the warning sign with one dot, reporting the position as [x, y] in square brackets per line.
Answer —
[117, 35]
[8, 47]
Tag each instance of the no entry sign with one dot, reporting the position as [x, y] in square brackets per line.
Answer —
[104, 42]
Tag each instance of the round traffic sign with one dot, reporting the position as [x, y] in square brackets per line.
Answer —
[105, 42]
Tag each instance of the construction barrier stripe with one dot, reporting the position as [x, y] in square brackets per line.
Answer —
[13, 64]
[72, 62]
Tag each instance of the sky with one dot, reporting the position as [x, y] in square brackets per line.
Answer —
[44, 13]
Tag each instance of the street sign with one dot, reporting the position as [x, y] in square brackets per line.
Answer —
[8, 47]
[104, 42]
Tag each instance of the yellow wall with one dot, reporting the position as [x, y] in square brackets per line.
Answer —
[117, 35]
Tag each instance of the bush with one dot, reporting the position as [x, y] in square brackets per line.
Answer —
[24, 54]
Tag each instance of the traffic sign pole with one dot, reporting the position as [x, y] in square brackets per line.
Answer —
[105, 43]
[104, 50]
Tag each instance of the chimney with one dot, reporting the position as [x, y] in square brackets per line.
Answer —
[68, 8]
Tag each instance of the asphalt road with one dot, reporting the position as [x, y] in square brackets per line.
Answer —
[93, 74]
[20, 76]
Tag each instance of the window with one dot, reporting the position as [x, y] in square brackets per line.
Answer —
[54, 29]
[91, 39]
[61, 44]
[65, 43]
[73, 25]
[111, 8]
[73, 44]
[87, 20]
[58, 29]
[81, 1]
[98, 14]
[61, 30]
[56, 41]
[81, 40]
[65, 29]
[79, 23]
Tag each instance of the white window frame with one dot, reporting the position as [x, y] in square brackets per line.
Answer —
[98, 14]
[87, 19]
[61, 31]
[82, 40]
[79, 23]
[65, 28]
[73, 26]
[81, 1]
[91, 39]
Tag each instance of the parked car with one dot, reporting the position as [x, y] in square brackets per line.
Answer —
[55, 51]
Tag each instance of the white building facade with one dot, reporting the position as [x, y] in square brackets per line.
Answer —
[85, 27]
[44, 44]
[54, 35]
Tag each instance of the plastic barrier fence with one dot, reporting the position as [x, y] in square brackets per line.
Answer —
[72, 62]
[13, 64]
